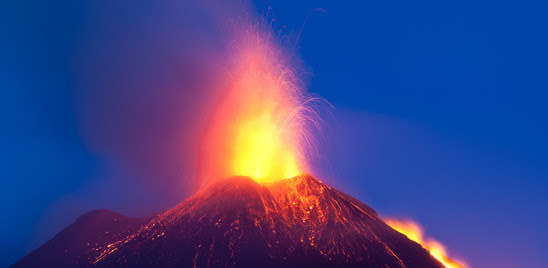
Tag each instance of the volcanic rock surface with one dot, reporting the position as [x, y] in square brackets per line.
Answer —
[236, 222]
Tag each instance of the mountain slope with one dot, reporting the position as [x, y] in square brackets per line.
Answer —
[237, 222]
[75, 244]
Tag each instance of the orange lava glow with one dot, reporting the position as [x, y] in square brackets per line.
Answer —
[265, 139]
[260, 125]
[414, 232]
[260, 152]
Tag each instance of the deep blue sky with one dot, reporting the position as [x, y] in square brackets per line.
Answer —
[440, 113]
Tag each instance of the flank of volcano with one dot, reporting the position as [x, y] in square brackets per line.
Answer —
[237, 222]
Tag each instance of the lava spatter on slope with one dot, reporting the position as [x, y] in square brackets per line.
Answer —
[237, 222]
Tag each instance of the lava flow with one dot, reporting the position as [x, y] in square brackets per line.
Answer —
[414, 232]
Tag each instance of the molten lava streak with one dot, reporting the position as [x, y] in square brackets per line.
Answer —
[414, 232]
[260, 126]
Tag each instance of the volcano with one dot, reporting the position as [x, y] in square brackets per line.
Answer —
[236, 222]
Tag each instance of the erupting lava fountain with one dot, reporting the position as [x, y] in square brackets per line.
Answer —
[268, 212]
[263, 124]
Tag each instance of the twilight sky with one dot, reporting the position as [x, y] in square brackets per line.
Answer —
[440, 112]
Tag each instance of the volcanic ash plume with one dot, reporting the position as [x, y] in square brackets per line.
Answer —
[261, 125]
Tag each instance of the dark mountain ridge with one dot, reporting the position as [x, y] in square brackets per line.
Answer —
[237, 222]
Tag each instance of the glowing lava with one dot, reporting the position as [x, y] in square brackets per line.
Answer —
[414, 232]
[260, 127]
[260, 152]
